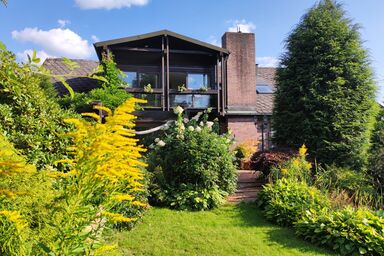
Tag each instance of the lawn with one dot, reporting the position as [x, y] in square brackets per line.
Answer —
[230, 230]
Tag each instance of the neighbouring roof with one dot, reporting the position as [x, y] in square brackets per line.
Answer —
[75, 78]
[99, 45]
[264, 102]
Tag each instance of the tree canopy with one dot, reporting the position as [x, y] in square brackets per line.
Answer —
[325, 89]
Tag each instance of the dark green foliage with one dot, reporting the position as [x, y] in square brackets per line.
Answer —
[111, 94]
[30, 119]
[325, 90]
[193, 169]
[348, 231]
[286, 201]
[376, 159]
[265, 161]
[346, 185]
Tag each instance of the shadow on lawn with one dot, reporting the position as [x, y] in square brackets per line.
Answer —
[252, 216]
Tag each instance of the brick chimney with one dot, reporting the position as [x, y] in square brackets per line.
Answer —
[241, 71]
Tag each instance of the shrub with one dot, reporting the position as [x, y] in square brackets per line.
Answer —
[65, 213]
[340, 182]
[376, 158]
[265, 161]
[295, 169]
[244, 150]
[111, 94]
[192, 166]
[31, 120]
[285, 201]
[348, 231]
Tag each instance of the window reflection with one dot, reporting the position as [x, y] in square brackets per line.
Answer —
[197, 81]
[193, 100]
[149, 78]
[131, 79]
[177, 79]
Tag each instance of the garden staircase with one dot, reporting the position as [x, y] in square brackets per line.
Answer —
[247, 187]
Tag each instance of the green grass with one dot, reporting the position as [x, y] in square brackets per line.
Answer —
[230, 230]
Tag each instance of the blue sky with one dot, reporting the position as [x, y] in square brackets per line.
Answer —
[69, 27]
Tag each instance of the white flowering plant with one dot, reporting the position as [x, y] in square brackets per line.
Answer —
[191, 164]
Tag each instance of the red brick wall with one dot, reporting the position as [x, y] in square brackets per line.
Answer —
[241, 70]
[244, 129]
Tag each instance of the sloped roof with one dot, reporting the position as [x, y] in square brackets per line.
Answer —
[264, 102]
[99, 45]
[76, 78]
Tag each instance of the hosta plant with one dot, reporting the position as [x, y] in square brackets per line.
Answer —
[285, 201]
[348, 231]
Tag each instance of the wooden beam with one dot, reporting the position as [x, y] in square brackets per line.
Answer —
[138, 49]
[163, 102]
[167, 54]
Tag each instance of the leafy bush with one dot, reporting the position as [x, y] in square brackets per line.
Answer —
[111, 94]
[30, 119]
[265, 161]
[348, 231]
[295, 169]
[285, 201]
[345, 185]
[244, 150]
[192, 166]
[65, 213]
[376, 159]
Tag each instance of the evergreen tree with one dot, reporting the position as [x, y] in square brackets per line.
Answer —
[325, 89]
[376, 157]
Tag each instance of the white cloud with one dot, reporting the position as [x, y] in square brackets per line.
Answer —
[57, 41]
[109, 4]
[95, 38]
[242, 25]
[267, 61]
[63, 23]
[23, 56]
[213, 40]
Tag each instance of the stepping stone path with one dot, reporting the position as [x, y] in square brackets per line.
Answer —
[247, 187]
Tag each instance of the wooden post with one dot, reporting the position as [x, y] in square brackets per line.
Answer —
[217, 83]
[167, 52]
[163, 102]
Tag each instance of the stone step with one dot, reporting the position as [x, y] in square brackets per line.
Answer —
[247, 187]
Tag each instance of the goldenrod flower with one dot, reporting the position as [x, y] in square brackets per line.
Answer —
[302, 150]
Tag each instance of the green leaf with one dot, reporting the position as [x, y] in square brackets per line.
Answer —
[71, 64]
[68, 87]
[362, 250]
[2, 46]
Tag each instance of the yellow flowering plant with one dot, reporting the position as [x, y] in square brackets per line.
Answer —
[297, 168]
[105, 170]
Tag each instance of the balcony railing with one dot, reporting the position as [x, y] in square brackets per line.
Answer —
[192, 99]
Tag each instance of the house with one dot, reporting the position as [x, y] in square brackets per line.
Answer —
[183, 71]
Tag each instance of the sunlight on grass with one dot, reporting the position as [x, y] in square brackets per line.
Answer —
[230, 230]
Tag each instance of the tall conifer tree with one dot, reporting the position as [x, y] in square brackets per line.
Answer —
[325, 89]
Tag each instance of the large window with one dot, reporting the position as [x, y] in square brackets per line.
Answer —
[197, 81]
[177, 79]
[141, 79]
[193, 100]
[149, 78]
[131, 79]
[191, 81]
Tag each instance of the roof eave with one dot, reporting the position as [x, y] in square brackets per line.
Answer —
[159, 33]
